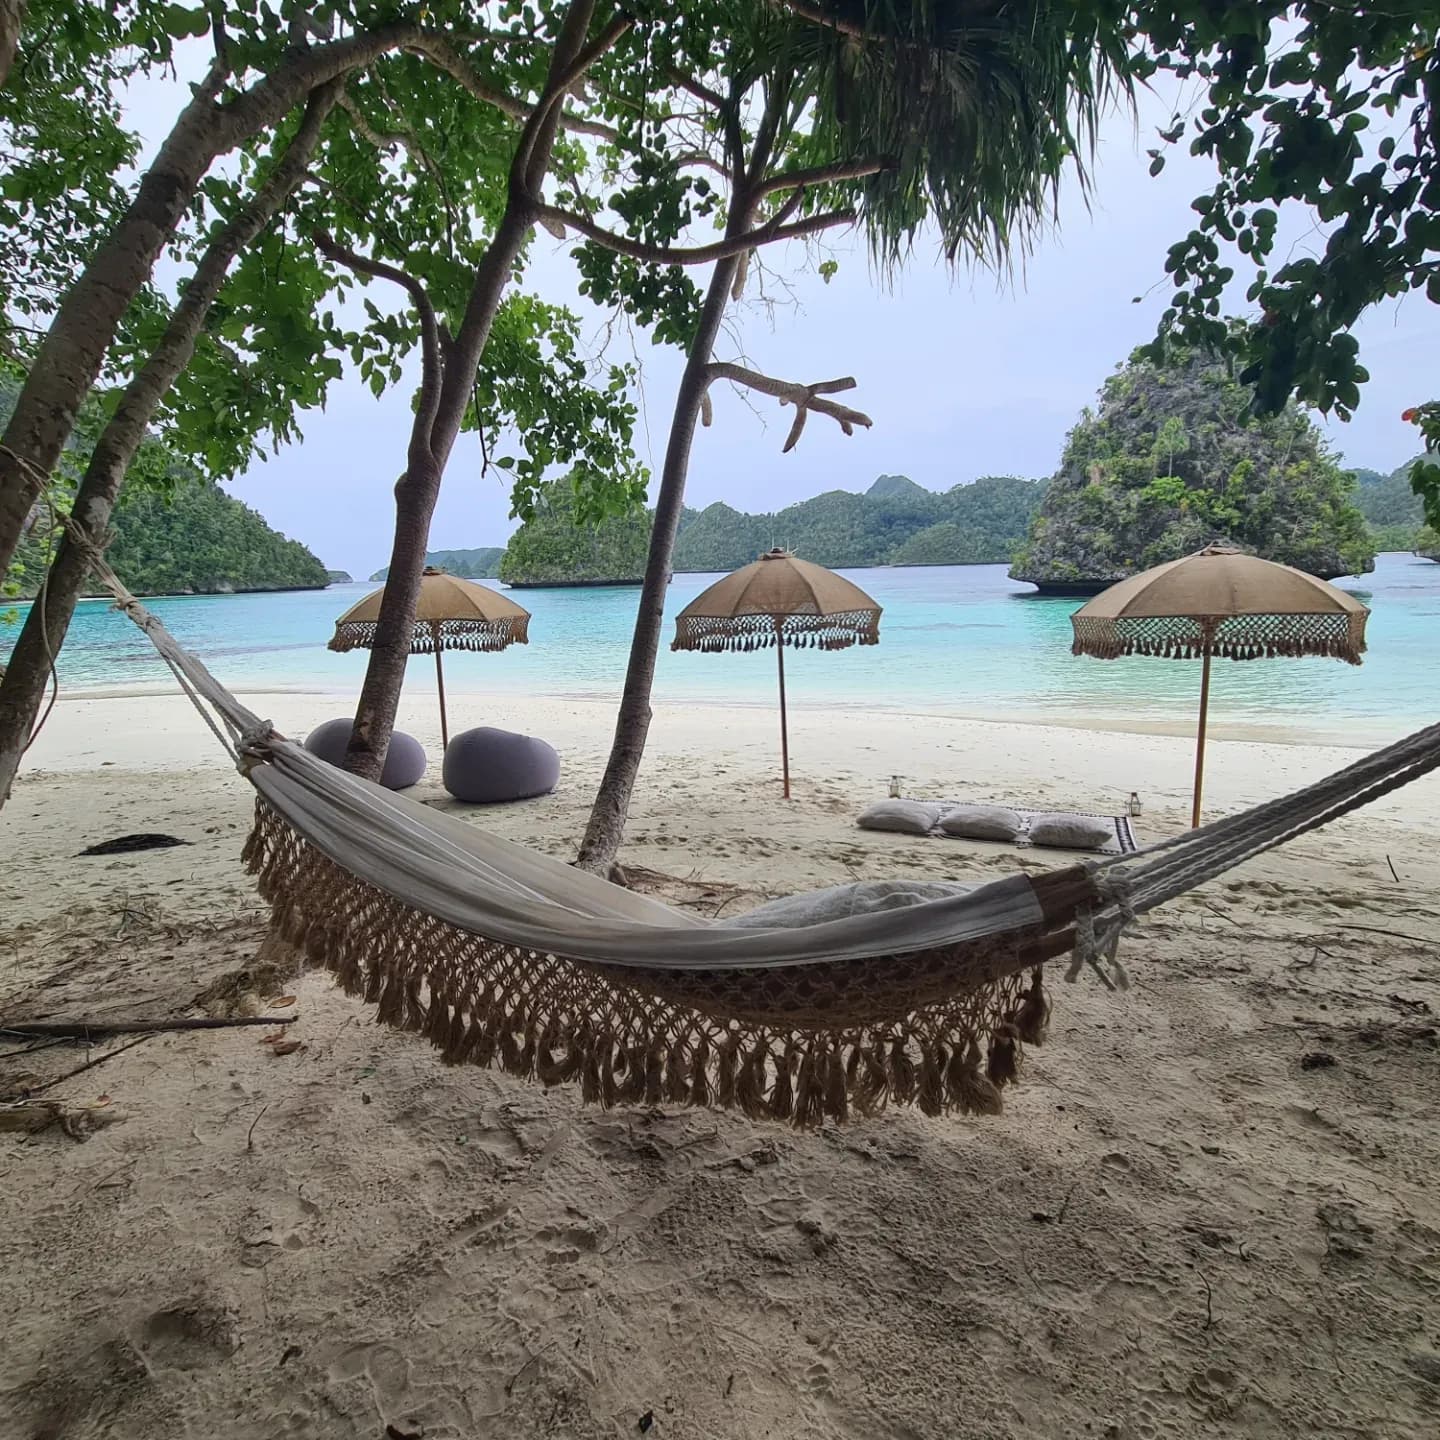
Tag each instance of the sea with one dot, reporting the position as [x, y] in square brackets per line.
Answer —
[954, 640]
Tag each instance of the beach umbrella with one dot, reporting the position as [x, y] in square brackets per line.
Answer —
[1222, 602]
[779, 600]
[453, 614]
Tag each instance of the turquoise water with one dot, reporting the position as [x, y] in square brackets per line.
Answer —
[958, 639]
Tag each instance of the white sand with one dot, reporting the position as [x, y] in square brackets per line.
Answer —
[1176, 1229]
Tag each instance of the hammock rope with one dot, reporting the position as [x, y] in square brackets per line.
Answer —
[503, 957]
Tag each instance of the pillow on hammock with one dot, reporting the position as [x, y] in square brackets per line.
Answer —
[909, 817]
[982, 822]
[840, 901]
[1071, 832]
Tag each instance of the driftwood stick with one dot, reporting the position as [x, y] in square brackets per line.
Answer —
[99, 1029]
[89, 1065]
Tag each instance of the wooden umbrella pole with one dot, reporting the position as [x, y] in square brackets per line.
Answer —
[440, 682]
[784, 729]
[1200, 732]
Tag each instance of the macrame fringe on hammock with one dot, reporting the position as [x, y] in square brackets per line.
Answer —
[745, 633]
[942, 1029]
[430, 635]
[1241, 637]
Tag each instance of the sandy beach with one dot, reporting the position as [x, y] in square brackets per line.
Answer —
[1208, 1210]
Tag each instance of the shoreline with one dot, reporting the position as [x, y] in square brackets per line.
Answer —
[846, 756]
[1365, 736]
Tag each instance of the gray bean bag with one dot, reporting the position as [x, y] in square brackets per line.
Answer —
[404, 763]
[486, 766]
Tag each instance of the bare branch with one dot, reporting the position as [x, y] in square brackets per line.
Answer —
[557, 221]
[804, 398]
[444, 55]
[432, 367]
[822, 174]
[818, 15]
[704, 93]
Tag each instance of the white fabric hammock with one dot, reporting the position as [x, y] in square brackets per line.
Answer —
[859, 995]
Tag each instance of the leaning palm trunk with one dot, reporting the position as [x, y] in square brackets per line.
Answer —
[446, 388]
[22, 688]
[608, 814]
[12, 17]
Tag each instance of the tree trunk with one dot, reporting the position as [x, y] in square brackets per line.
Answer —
[612, 801]
[12, 17]
[71, 356]
[433, 438]
[22, 688]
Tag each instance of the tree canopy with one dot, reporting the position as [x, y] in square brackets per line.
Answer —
[1174, 457]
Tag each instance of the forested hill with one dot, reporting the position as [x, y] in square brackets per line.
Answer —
[481, 564]
[196, 541]
[1393, 510]
[175, 533]
[894, 522]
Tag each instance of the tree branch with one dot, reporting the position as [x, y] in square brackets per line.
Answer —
[823, 174]
[443, 54]
[691, 86]
[804, 398]
[556, 88]
[818, 15]
[432, 368]
[557, 221]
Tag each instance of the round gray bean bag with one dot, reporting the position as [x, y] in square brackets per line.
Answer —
[486, 766]
[404, 763]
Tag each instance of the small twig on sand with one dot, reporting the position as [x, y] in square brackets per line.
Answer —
[1216, 910]
[514, 1380]
[1065, 1204]
[1209, 1301]
[1393, 934]
[100, 1029]
[89, 1064]
[1391, 864]
[250, 1134]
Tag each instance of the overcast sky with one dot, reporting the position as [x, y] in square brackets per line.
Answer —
[962, 376]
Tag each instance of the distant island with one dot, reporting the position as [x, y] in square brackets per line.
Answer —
[481, 564]
[553, 548]
[339, 577]
[894, 522]
[193, 540]
[1174, 457]
[1392, 509]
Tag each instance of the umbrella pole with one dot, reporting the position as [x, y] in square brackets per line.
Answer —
[440, 683]
[1200, 737]
[784, 730]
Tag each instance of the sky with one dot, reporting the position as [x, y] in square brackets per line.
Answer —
[963, 374]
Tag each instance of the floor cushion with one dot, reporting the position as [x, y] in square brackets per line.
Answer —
[486, 766]
[404, 762]
[909, 817]
[982, 822]
[1071, 832]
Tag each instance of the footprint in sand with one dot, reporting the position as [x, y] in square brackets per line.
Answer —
[189, 1336]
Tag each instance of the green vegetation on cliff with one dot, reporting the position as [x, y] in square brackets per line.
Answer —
[175, 533]
[339, 577]
[895, 522]
[1394, 512]
[1173, 458]
[481, 564]
[553, 548]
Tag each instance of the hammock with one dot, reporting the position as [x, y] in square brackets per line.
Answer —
[806, 1009]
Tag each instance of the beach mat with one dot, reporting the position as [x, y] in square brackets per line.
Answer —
[1123, 843]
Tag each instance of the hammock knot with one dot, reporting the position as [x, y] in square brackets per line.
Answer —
[252, 746]
[1098, 930]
